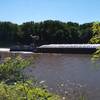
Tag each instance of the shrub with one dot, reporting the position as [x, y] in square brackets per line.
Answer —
[24, 91]
[11, 69]
[14, 86]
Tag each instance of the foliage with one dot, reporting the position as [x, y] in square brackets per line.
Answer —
[24, 91]
[49, 31]
[8, 32]
[96, 33]
[96, 55]
[96, 28]
[86, 32]
[96, 39]
[14, 86]
[10, 69]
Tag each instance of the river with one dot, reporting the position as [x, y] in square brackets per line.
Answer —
[70, 75]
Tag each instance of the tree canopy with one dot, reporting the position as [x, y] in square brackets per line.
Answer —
[46, 32]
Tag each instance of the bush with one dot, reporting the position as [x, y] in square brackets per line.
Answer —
[11, 69]
[24, 91]
[14, 86]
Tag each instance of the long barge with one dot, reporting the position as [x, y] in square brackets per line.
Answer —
[68, 48]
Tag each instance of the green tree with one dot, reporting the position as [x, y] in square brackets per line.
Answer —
[96, 33]
[86, 32]
[8, 32]
[27, 30]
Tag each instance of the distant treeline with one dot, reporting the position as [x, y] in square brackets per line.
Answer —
[45, 32]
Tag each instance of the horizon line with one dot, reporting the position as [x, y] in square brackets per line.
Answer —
[19, 23]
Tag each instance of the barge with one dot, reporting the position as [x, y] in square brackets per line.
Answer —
[68, 48]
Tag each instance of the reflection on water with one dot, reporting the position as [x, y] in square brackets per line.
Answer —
[70, 75]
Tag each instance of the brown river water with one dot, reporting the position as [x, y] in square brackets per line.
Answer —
[69, 75]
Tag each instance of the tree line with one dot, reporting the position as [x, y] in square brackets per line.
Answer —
[46, 32]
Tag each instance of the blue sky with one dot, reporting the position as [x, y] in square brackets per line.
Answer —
[19, 11]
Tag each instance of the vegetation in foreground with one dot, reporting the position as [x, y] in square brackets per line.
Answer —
[14, 86]
[24, 91]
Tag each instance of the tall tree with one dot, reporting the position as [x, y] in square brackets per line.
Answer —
[96, 33]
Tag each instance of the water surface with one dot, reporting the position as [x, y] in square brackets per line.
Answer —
[70, 75]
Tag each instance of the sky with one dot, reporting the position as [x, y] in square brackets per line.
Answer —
[19, 11]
